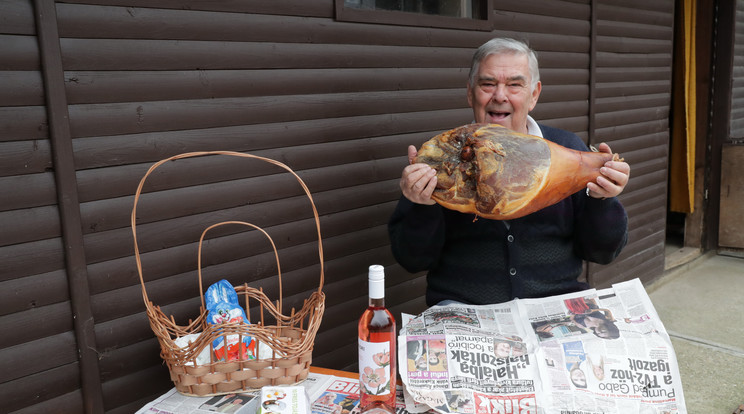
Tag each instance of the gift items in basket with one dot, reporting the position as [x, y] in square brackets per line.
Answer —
[226, 349]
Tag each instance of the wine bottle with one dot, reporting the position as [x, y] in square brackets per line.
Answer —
[377, 373]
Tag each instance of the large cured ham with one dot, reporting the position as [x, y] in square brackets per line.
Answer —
[496, 173]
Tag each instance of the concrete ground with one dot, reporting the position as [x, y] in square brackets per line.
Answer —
[701, 304]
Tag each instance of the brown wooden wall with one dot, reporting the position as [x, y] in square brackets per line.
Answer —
[737, 75]
[94, 92]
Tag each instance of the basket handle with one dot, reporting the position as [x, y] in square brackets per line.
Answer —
[229, 153]
[199, 259]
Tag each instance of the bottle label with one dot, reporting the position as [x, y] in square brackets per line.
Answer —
[374, 367]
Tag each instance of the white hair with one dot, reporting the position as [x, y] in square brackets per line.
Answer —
[503, 45]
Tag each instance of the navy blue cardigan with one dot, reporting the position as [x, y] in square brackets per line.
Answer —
[486, 261]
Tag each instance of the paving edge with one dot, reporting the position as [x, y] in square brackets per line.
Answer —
[675, 272]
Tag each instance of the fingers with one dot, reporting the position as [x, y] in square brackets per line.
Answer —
[613, 179]
[411, 154]
[418, 183]
[603, 147]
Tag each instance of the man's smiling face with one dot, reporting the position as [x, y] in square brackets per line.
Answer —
[502, 93]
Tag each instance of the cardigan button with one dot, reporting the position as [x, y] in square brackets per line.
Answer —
[510, 238]
[512, 271]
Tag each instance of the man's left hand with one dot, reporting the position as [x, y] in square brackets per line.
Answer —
[614, 176]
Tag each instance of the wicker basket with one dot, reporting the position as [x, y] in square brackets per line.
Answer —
[290, 339]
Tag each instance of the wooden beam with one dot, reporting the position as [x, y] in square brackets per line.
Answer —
[69, 206]
[723, 57]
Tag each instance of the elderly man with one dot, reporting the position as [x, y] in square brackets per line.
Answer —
[488, 261]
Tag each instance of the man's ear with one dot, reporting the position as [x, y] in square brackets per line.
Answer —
[470, 96]
[535, 94]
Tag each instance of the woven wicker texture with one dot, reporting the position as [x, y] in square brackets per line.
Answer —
[290, 339]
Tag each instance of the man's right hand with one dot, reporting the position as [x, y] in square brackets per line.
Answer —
[418, 180]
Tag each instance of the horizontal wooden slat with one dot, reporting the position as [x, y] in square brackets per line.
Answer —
[124, 390]
[116, 86]
[641, 215]
[562, 109]
[29, 224]
[631, 130]
[117, 362]
[38, 190]
[127, 118]
[114, 244]
[643, 100]
[552, 78]
[125, 54]
[46, 321]
[644, 191]
[543, 43]
[637, 115]
[157, 206]
[632, 89]
[640, 264]
[640, 167]
[31, 292]
[17, 17]
[22, 123]
[564, 60]
[633, 60]
[563, 94]
[24, 157]
[650, 13]
[89, 21]
[25, 259]
[318, 8]
[554, 25]
[20, 88]
[55, 390]
[19, 53]
[252, 176]
[565, 9]
[631, 29]
[624, 74]
[632, 45]
[152, 147]
[37, 356]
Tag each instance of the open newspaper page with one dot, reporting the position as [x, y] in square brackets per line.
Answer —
[469, 359]
[172, 402]
[596, 351]
[604, 351]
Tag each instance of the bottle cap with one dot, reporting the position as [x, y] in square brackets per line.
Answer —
[376, 282]
[376, 272]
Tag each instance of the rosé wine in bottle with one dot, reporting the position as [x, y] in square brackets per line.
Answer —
[377, 372]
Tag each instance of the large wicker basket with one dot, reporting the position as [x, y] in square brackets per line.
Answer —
[290, 337]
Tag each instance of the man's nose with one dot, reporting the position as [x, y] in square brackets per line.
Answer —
[499, 94]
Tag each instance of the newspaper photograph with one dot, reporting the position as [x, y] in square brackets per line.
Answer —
[595, 351]
[341, 396]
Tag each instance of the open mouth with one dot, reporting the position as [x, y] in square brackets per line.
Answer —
[498, 116]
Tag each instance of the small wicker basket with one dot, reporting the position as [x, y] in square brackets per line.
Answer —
[291, 338]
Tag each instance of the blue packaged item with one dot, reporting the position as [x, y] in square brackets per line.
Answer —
[223, 307]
